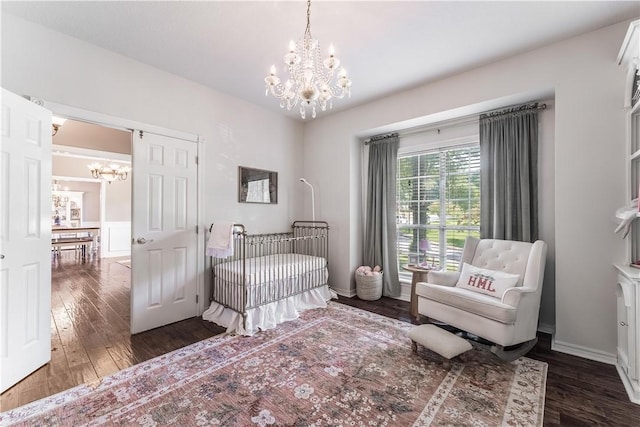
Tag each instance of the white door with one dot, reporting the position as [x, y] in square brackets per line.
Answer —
[164, 238]
[25, 232]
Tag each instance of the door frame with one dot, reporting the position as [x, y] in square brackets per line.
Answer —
[101, 119]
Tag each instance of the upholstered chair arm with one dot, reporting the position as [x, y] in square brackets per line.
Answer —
[535, 265]
[444, 278]
[513, 296]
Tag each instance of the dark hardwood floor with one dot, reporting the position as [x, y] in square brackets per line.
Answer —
[90, 330]
[90, 339]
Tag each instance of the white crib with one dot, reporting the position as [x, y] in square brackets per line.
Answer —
[270, 278]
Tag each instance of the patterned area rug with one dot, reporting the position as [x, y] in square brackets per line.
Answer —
[333, 366]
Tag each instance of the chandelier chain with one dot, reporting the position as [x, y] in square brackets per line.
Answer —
[308, 30]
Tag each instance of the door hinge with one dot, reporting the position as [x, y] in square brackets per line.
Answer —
[141, 133]
[197, 298]
[196, 160]
[197, 228]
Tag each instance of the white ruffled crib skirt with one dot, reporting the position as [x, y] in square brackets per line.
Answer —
[268, 316]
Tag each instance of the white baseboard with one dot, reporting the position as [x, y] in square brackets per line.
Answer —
[584, 352]
[345, 293]
[116, 255]
[634, 395]
[405, 292]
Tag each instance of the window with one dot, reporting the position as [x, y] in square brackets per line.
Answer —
[438, 205]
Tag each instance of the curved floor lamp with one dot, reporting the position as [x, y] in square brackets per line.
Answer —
[313, 202]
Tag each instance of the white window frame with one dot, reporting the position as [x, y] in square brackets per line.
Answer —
[430, 145]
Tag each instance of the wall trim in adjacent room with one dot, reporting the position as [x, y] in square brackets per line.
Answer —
[115, 239]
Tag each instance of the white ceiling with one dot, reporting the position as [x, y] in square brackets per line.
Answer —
[386, 46]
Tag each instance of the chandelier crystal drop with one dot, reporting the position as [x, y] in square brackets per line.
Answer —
[312, 81]
[110, 172]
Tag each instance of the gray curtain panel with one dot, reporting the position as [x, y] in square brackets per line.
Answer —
[509, 175]
[380, 232]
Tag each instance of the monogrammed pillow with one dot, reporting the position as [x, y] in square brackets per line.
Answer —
[488, 282]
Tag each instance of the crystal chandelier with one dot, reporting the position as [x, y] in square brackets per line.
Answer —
[311, 79]
[109, 173]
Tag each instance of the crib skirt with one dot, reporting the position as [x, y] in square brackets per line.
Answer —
[269, 315]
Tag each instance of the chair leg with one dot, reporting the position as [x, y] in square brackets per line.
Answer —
[511, 355]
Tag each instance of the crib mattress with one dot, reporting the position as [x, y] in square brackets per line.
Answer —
[269, 268]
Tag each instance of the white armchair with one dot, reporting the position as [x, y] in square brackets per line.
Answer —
[509, 319]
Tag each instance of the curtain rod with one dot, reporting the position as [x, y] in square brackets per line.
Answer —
[457, 121]
[463, 120]
[379, 137]
[512, 110]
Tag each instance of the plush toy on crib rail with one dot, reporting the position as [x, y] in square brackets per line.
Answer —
[369, 282]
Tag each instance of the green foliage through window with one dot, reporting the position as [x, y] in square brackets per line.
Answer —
[438, 205]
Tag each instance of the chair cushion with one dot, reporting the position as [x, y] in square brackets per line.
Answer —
[469, 301]
[485, 281]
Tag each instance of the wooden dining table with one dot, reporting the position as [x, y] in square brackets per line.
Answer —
[76, 236]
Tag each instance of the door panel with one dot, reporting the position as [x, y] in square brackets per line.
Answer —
[25, 230]
[164, 244]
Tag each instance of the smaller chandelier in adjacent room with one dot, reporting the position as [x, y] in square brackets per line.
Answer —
[311, 79]
[110, 172]
[56, 124]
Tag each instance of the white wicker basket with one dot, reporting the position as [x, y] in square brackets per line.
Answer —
[369, 287]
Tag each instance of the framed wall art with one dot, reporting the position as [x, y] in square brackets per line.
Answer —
[257, 186]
